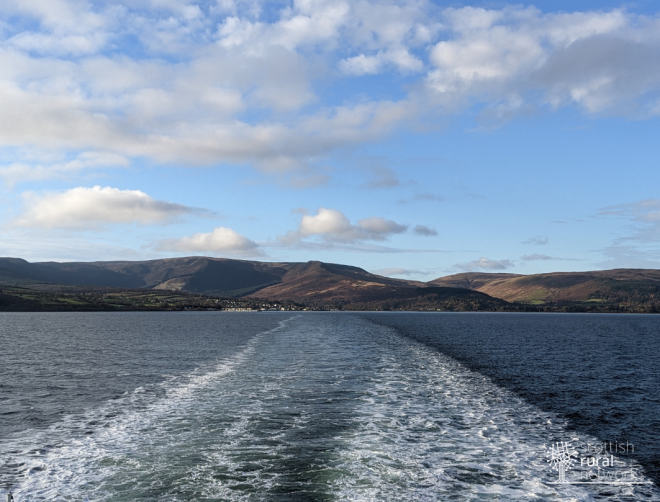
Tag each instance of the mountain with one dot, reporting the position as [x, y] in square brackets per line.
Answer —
[195, 274]
[315, 281]
[317, 284]
[628, 286]
[321, 284]
[311, 281]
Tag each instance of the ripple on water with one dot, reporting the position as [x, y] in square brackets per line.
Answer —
[324, 407]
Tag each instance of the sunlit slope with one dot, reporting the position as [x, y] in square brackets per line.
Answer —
[318, 282]
[297, 281]
[315, 281]
[632, 286]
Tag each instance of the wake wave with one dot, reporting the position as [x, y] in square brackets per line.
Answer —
[321, 407]
[72, 459]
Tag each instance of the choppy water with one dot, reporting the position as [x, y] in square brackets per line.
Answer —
[166, 406]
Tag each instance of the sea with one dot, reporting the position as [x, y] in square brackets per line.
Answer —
[321, 406]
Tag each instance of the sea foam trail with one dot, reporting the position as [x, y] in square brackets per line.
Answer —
[324, 407]
[431, 428]
[71, 459]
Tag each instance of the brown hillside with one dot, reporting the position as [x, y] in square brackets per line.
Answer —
[618, 285]
[312, 281]
[195, 274]
[321, 282]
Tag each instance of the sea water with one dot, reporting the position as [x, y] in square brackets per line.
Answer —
[323, 406]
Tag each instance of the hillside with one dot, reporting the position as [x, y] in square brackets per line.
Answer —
[191, 274]
[328, 285]
[315, 282]
[311, 281]
[625, 286]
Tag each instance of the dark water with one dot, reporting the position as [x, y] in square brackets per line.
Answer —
[602, 372]
[213, 406]
[56, 364]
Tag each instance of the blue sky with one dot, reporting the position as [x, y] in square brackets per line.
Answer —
[413, 139]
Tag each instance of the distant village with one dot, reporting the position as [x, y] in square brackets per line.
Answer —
[85, 298]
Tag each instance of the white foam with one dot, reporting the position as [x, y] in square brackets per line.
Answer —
[433, 429]
[60, 463]
[423, 427]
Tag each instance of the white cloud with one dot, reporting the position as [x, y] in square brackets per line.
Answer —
[89, 208]
[221, 240]
[67, 27]
[605, 62]
[484, 264]
[18, 172]
[370, 65]
[177, 82]
[331, 225]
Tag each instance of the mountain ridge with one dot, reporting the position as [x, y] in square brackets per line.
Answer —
[319, 283]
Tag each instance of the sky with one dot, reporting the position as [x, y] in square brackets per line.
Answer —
[413, 139]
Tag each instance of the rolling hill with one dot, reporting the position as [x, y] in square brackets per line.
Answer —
[628, 286]
[312, 281]
[192, 274]
[326, 284]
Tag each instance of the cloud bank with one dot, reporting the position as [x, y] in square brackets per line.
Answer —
[195, 83]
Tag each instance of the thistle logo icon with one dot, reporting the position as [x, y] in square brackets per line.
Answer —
[561, 458]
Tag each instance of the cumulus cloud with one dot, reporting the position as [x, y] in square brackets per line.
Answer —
[67, 27]
[511, 59]
[369, 65]
[221, 240]
[177, 82]
[424, 230]
[332, 226]
[89, 208]
[537, 240]
[484, 264]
